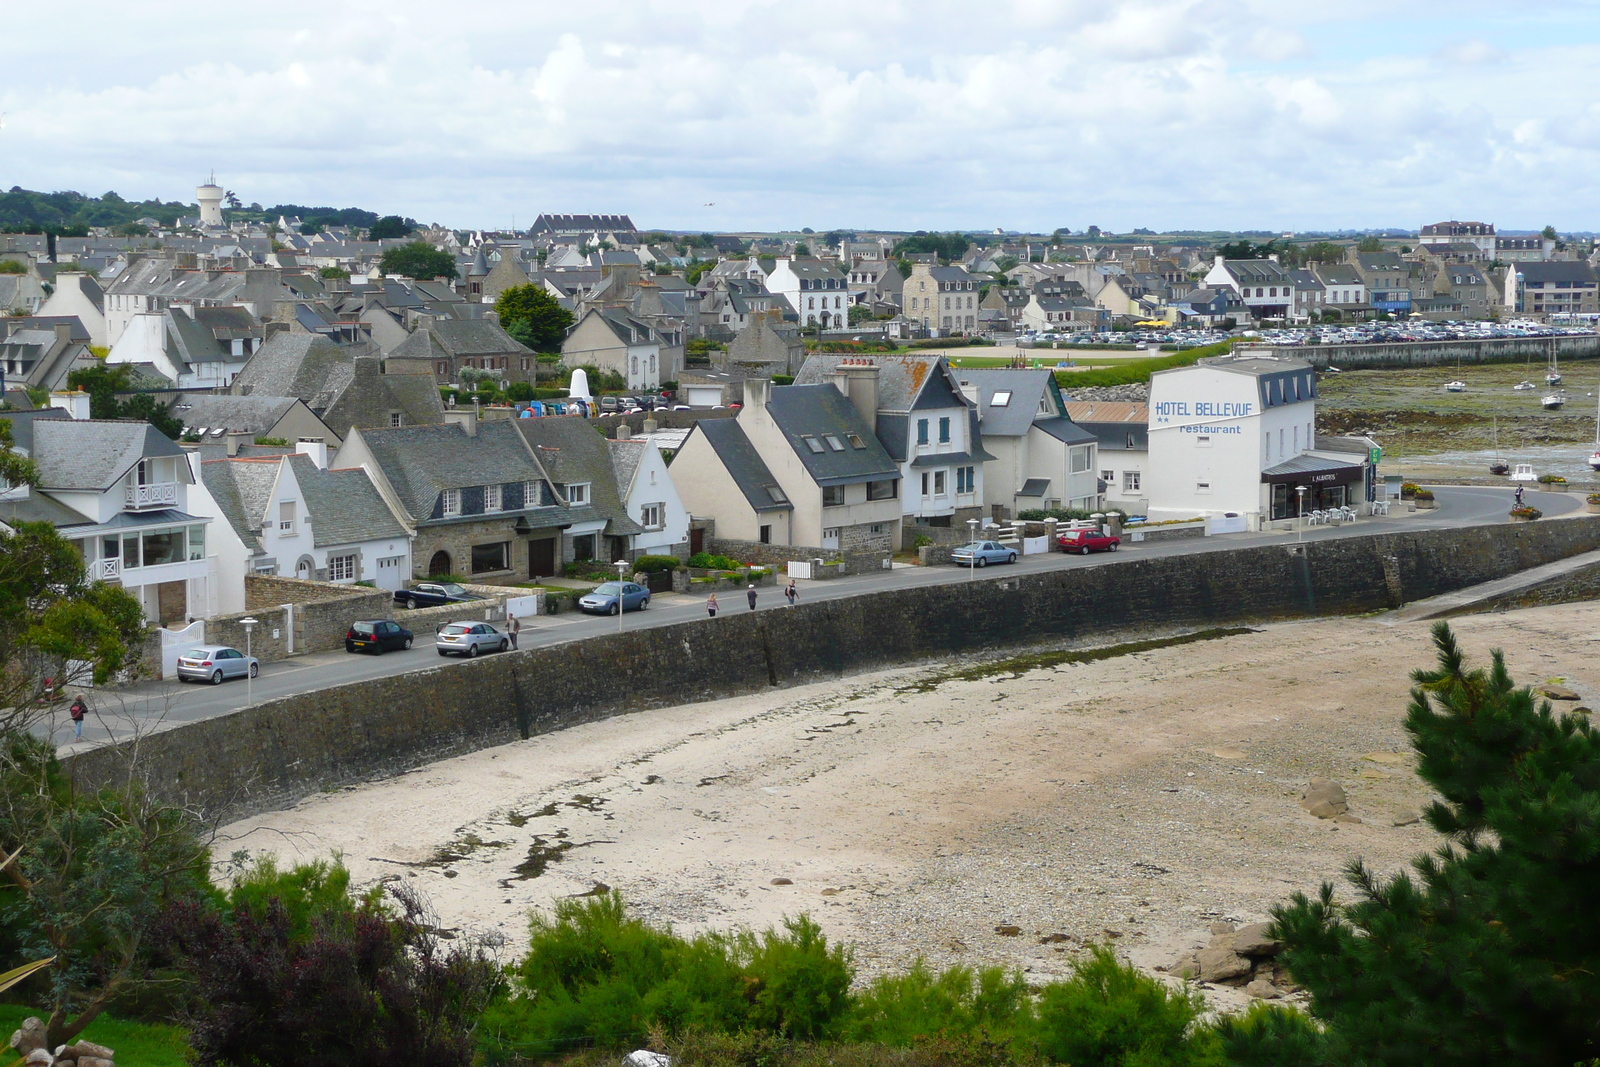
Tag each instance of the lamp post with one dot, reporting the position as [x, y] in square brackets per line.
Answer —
[972, 543]
[249, 628]
[1300, 531]
[622, 566]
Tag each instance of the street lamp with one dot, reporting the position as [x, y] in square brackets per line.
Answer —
[249, 628]
[1300, 532]
[622, 566]
[972, 544]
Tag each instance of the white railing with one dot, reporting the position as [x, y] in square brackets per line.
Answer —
[153, 495]
[106, 570]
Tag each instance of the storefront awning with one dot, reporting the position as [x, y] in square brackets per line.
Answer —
[1309, 469]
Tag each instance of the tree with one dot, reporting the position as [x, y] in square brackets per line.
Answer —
[419, 260]
[533, 317]
[389, 228]
[1369, 244]
[104, 381]
[1549, 233]
[12, 266]
[947, 246]
[802, 249]
[1323, 252]
[335, 272]
[1487, 952]
[858, 313]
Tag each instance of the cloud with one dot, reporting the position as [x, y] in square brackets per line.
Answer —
[1180, 113]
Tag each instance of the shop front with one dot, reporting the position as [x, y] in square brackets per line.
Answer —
[1329, 482]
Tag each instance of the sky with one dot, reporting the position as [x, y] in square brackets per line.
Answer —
[745, 115]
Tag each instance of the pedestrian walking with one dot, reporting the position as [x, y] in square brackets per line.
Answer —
[1519, 496]
[77, 711]
[750, 594]
[791, 592]
[515, 627]
[711, 605]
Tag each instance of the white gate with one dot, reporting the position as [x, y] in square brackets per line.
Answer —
[175, 641]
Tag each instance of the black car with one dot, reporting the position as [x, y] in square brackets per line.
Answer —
[377, 637]
[432, 594]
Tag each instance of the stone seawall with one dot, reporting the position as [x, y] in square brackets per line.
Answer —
[1435, 353]
[272, 754]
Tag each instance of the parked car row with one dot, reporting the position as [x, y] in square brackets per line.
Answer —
[983, 553]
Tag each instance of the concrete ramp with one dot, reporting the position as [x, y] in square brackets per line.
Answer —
[1562, 582]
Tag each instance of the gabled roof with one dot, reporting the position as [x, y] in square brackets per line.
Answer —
[291, 364]
[1016, 415]
[343, 504]
[239, 414]
[743, 464]
[420, 462]
[1064, 430]
[818, 412]
[92, 455]
[902, 379]
[626, 455]
[242, 488]
[572, 452]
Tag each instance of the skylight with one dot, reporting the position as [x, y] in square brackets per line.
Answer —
[812, 443]
[1000, 399]
[833, 442]
[777, 495]
[855, 440]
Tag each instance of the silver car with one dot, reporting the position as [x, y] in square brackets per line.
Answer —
[213, 663]
[469, 639]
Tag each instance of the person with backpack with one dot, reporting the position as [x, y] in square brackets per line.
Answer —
[791, 592]
[78, 710]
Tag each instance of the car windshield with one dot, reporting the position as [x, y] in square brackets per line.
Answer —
[454, 628]
[608, 589]
[453, 590]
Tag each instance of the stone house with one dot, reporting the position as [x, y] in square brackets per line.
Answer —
[768, 345]
[344, 387]
[444, 347]
[941, 299]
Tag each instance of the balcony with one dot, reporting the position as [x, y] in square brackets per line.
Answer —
[151, 495]
[106, 570]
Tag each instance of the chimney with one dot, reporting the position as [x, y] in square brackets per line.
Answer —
[236, 439]
[75, 403]
[63, 332]
[624, 431]
[462, 417]
[858, 380]
[756, 391]
[316, 448]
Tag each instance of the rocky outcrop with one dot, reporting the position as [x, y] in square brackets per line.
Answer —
[1244, 957]
[1324, 798]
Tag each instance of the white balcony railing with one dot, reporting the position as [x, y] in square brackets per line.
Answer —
[152, 495]
[107, 570]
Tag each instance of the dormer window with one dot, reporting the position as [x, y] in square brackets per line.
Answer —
[450, 502]
[491, 498]
[578, 493]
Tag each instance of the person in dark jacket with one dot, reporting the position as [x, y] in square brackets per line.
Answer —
[750, 594]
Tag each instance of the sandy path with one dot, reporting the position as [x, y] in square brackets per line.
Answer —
[1140, 796]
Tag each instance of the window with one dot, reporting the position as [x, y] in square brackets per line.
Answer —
[164, 547]
[884, 490]
[854, 439]
[1203, 440]
[811, 442]
[1000, 399]
[922, 431]
[130, 551]
[650, 517]
[833, 496]
[1108, 476]
[833, 442]
[491, 557]
[578, 493]
[342, 568]
[766, 535]
[777, 495]
[286, 517]
[197, 542]
[397, 418]
[1080, 459]
[491, 498]
[1130, 481]
[938, 483]
[944, 430]
[450, 502]
[926, 484]
[530, 495]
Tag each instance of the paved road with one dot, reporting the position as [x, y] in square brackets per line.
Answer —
[161, 704]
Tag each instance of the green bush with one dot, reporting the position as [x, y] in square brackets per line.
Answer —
[715, 563]
[305, 891]
[1422, 494]
[902, 1009]
[1271, 1036]
[653, 564]
[1552, 479]
[1134, 371]
[922, 541]
[1111, 1013]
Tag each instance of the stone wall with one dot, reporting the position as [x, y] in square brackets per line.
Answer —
[769, 555]
[269, 591]
[274, 753]
[1435, 353]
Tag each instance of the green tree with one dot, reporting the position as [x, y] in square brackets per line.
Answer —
[12, 266]
[1369, 244]
[802, 249]
[947, 246]
[103, 382]
[858, 313]
[389, 228]
[533, 317]
[1112, 1014]
[1487, 952]
[1549, 233]
[419, 260]
[1323, 252]
[335, 272]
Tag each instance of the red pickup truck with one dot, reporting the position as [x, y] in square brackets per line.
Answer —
[1087, 541]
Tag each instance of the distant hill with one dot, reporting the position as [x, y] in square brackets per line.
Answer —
[71, 213]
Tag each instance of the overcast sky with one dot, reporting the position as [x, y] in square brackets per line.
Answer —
[748, 114]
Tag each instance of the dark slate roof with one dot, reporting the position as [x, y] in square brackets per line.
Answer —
[476, 337]
[1065, 431]
[626, 455]
[802, 411]
[241, 488]
[1310, 464]
[1034, 487]
[743, 463]
[344, 505]
[290, 364]
[571, 451]
[78, 331]
[91, 454]
[948, 459]
[420, 462]
[1578, 271]
[241, 414]
[902, 379]
[39, 507]
[1015, 418]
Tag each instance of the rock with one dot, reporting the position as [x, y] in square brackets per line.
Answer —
[783, 881]
[646, 1058]
[1053, 939]
[1008, 931]
[29, 1036]
[1186, 966]
[1556, 692]
[1222, 928]
[1324, 798]
[1218, 963]
[1347, 817]
[1406, 818]
[1581, 710]
[95, 1061]
[830, 892]
[1253, 941]
[39, 1057]
[1392, 758]
[1262, 989]
[79, 1049]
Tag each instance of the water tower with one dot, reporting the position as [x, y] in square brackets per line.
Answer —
[210, 196]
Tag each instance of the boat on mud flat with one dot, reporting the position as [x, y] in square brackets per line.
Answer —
[1498, 465]
[1523, 387]
[1455, 387]
[1553, 401]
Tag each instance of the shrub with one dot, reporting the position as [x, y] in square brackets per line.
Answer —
[1268, 1035]
[1527, 513]
[1111, 1013]
[922, 540]
[273, 442]
[655, 564]
[1593, 498]
[715, 563]
[1408, 490]
[1422, 494]
[1552, 479]
[901, 1009]
[1134, 371]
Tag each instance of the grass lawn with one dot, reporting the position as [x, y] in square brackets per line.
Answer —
[136, 1044]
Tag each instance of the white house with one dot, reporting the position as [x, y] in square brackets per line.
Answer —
[197, 348]
[611, 339]
[1236, 436]
[121, 492]
[819, 294]
[646, 488]
[1122, 432]
[1040, 459]
[1265, 287]
[80, 296]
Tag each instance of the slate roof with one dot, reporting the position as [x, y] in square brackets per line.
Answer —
[1577, 271]
[92, 454]
[240, 414]
[1015, 418]
[459, 338]
[1034, 487]
[344, 505]
[743, 463]
[571, 451]
[626, 455]
[420, 462]
[1307, 463]
[241, 488]
[291, 364]
[1064, 430]
[819, 411]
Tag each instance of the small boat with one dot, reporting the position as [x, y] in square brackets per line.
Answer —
[1500, 466]
[1552, 378]
[1594, 459]
[1553, 401]
[1524, 473]
[1455, 387]
[1523, 387]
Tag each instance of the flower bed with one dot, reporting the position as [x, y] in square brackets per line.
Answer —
[1525, 514]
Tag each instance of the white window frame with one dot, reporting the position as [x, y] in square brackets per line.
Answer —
[491, 499]
[286, 515]
[342, 567]
[530, 495]
[450, 503]
[1130, 481]
[577, 493]
[653, 516]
